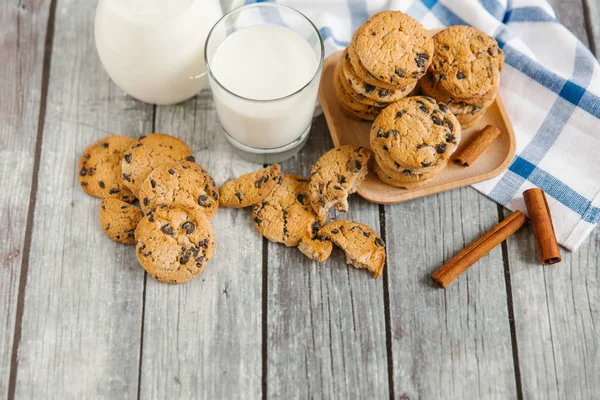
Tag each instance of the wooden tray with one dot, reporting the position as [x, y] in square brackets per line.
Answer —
[345, 130]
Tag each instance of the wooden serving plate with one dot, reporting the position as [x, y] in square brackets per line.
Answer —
[345, 130]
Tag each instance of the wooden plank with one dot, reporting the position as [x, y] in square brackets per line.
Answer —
[203, 339]
[556, 309]
[83, 299]
[570, 13]
[23, 32]
[326, 325]
[452, 343]
[592, 18]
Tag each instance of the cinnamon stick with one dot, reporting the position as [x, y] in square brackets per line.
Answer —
[477, 146]
[541, 224]
[479, 248]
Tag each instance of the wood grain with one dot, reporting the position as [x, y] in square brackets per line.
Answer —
[452, 343]
[592, 14]
[557, 308]
[203, 339]
[326, 326]
[23, 33]
[82, 310]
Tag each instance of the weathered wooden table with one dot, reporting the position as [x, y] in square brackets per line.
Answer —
[80, 318]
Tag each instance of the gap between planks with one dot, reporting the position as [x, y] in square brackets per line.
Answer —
[14, 360]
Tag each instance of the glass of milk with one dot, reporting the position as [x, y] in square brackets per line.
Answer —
[264, 64]
[154, 49]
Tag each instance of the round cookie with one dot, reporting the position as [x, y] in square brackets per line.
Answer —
[415, 133]
[467, 62]
[250, 189]
[385, 178]
[185, 183]
[363, 247]
[119, 220]
[149, 152]
[394, 48]
[99, 168]
[378, 94]
[335, 176]
[361, 98]
[362, 72]
[174, 243]
[344, 98]
[286, 215]
[430, 88]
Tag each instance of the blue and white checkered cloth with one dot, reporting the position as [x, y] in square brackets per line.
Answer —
[550, 85]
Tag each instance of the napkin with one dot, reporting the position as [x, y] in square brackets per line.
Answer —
[550, 86]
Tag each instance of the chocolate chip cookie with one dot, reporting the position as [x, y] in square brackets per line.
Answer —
[174, 243]
[317, 248]
[467, 62]
[185, 183]
[285, 215]
[380, 95]
[99, 169]
[416, 134]
[150, 152]
[363, 247]
[335, 176]
[250, 189]
[119, 220]
[394, 48]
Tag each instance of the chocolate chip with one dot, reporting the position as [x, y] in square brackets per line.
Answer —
[449, 124]
[123, 207]
[188, 227]
[107, 227]
[190, 158]
[394, 133]
[420, 61]
[238, 195]
[261, 181]
[322, 201]
[415, 74]
[114, 191]
[441, 148]
[342, 179]
[420, 146]
[101, 184]
[167, 229]
[360, 97]
[315, 227]
[130, 234]
[443, 107]
[185, 257]
[335, 231]
[215, 195]
[424, 164]
[408, 172]
[383, 93]
[151, 217]
[301, 197]
[172, 171]
[142, 247]
[127, 158]
[367, 234]
[436, 120]
[195, 251]
[257, 221]
[383, 135]
[203, 200]
[127, 177]
[396, 164]
[146, 202]
[152, 183]
[385, 148]
[444, 47]
[104, 145]
[423, 107]
[460, 75]
[83, 171]
[84, 184]
[401, 72]
[450, 138]
[203, 243]
[369, 88]
[336, 187]
[357, 165]
[400, 113]
[423, 55]
[379, 242]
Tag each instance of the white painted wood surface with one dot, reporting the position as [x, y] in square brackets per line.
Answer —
[22, 42]
[261, 321]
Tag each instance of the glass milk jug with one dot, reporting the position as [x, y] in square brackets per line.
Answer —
[154, 49]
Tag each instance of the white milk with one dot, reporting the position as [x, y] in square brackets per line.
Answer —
[265, 62]
[151, 48]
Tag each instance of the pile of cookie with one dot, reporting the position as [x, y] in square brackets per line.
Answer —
[373, 73]
[172, 231]
[293, 210]
[465, 72]
[413, 140]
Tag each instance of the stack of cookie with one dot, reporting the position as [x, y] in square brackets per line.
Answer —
[465, 72]
[172, 231]
[382, 64]
[413, 140]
